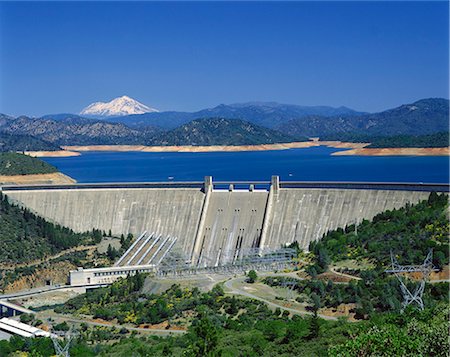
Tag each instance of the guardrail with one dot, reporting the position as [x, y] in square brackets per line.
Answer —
[401, 186]
[81, 186]
[393, 186]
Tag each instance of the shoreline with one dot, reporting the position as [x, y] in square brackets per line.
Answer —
[60, 153]
[355, 149]
[200, 148]
[445, 151]
[214, 148]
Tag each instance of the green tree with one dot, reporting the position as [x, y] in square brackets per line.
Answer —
[251, 276]
[205, 337]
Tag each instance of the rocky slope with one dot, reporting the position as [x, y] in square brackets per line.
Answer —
[76, 130]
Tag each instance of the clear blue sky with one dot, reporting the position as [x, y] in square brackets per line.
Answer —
[60, 56]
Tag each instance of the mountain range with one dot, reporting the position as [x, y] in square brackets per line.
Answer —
[268, 114]
[236, 124]
[424, 116]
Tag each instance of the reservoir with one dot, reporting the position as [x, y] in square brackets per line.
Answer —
[307, 164]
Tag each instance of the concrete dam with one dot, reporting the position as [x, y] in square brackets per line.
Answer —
[213, 223]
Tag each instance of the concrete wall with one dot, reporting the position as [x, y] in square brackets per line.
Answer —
[304, 215]
[173, 212]
[231, 221]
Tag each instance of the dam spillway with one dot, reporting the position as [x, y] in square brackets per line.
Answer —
[215, 222]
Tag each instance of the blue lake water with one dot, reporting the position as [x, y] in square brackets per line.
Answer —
[311, 164]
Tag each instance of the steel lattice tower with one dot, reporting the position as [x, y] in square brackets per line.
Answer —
[414, 296]
[62, 345]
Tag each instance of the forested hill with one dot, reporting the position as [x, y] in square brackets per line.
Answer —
[221, 131]
[17, 142]
[25, 237]
[20, 164]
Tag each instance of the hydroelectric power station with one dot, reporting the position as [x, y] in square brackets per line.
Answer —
[210, 224]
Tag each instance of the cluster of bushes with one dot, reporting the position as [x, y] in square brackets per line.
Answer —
[123, 301]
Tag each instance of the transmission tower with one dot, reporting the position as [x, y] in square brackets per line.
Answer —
[62, 341]
[414, 296]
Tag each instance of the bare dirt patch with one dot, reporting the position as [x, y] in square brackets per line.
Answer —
[59, 153]
[334, 277]
[55, 178]
[56, 273]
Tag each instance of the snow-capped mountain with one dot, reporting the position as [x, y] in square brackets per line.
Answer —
[117, 107]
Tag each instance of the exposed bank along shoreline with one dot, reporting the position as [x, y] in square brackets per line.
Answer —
[354, 149]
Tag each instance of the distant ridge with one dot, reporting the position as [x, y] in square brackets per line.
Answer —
[267, 114]
[239, 124]
[425, 116]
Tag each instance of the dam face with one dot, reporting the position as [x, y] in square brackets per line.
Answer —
[172, 212]
[216, 226]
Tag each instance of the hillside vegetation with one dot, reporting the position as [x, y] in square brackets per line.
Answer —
[20, 164]
[408, 232]
[257, 331]
[26, 237]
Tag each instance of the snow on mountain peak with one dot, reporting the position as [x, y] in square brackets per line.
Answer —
[117, 107]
